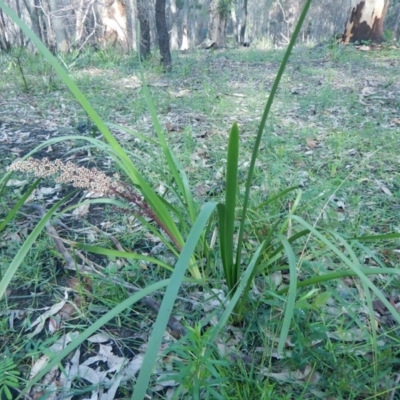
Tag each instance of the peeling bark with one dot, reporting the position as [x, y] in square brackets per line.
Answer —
[58, 13]
[217, 25]
[366, 21]
[113, 18]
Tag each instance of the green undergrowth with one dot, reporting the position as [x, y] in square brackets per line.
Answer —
[332, 132]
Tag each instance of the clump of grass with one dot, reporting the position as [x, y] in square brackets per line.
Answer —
[276, 250]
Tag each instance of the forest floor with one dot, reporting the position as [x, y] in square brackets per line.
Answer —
[333, 132]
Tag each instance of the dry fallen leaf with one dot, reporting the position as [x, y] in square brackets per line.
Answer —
[81, 211]
[384, 188]
[41, 320]
[15, 182]
[395, 121]
[312, 144]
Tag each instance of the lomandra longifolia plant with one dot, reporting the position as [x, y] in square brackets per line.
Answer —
[186, 230]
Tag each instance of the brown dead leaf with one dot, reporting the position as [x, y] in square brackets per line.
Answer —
[308, 375]
[81, 211]
[67, 312]
[395, 121]
[363, 48]
[41, 320]
[172, 128]
[384, 188]
[311, 143]
[181, 93]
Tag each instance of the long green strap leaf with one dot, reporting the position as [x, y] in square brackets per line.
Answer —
[262, 126]
[243, 282]
[122, 254]
[169, 300]
[230, 203]
[177, 172]
[289, 310]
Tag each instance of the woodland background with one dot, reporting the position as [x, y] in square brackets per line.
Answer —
[65, 25]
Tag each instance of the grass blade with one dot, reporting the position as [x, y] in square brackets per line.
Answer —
[175, 169]
[19, 204]
[243, 282]
[226, 212]
[169, 300]
[354, 266]
[230, 204]
[262, 126]
[376, 238]
[277, 196]
[23, 251]
[289, 310]
[122, 254]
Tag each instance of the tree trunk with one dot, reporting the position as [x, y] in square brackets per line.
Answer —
[235, 24]
[173, 15]
[396, 29]
[82, 15]
[162, 34]
[33, 11]
[4, 42]
[58, 11]
[185, 24]
[366, 21]
[113, 20]
[21, 34]
[48, 31]
[143, 17]
[243, 23]
[130, 24]
[217, 25]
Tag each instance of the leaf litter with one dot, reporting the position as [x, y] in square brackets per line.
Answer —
[316, 127]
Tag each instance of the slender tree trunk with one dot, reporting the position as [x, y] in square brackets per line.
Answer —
[21, 34]
[48, 32]
[81, 16]
[217, 25]
[366, 21]
[130, 24]
[4, 42]
[174, 37]
[143, 17]
[33, 12]
[396, 25]
[235, 24]
[58, 11]
[243, 23]
[185, 24]
[163, 36]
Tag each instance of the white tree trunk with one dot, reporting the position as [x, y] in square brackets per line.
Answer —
[366, 21]
[113, 18]
[217, 25]
[185, 24]
[173, 37]
[131, 23]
